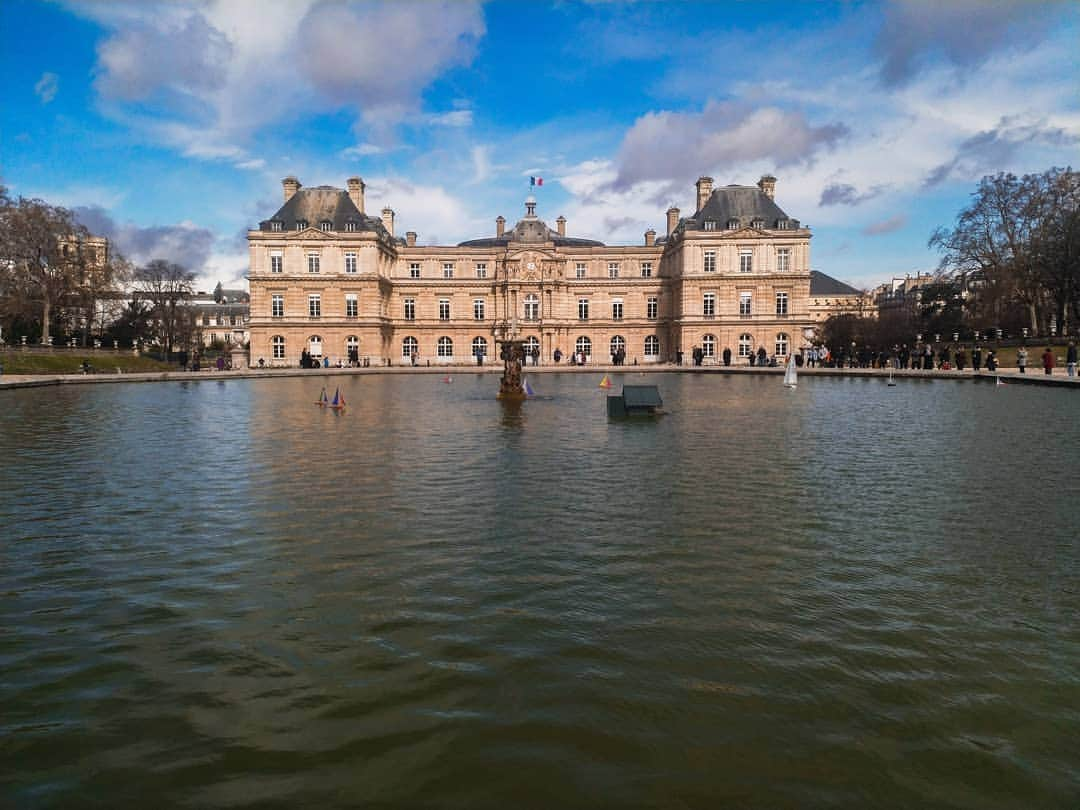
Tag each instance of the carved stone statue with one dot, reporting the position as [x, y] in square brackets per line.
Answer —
[512, 353]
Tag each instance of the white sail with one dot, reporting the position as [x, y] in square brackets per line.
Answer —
[790, 377]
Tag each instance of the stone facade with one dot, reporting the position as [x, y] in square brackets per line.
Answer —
[327, 277]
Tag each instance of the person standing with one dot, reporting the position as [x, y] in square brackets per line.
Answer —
[1021, 359]
[1070, 359]
[961, 358]
[976, 358]
[1048, 361]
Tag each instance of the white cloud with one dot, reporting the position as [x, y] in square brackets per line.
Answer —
[46, 87]
[677, 146]
[214, 76]
[363, 150]
[453, 118]
[255, 163]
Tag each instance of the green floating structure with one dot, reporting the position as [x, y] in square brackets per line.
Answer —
[635, 400]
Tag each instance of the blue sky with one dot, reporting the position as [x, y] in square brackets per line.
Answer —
[169, 126]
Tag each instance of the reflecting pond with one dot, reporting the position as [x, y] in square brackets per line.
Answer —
[216, 594]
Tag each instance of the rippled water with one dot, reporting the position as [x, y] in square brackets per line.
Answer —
[218, 595]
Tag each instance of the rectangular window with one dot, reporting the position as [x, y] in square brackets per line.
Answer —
[352, 305]
[275, 225]
[579, 270]
[710, 261]
[314, 305]
[481, 270]
[313, 262]
[277, 262]
[414, 270]
[745, 302]
[652, 305]
[646, 269]
[448, 270]
[410, 309]
[781, 303]
[616, 309]
[277, 306]
[583, 309]
[783, 259]
[444, 309]
[746, 261]
[613, 270]
[478, 309]
[710, 224]
[350, 262]
[708, 305]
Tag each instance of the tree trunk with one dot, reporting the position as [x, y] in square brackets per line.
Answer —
[46, 316]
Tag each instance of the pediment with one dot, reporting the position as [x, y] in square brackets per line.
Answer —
[309, 233]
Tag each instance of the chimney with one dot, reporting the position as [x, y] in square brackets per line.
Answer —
[650, 237]
[410, 238]
[767, 184]
[500, 225]
[388, 220]
[672, 219]
[356, 192]
[561, 222]
[704, 191]
[291, 185]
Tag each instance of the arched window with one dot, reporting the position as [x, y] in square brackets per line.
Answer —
[708, 346]
[352, 344]
[617, 343]
[277, 346]
[479, 347]
[445, 347]
[746, 344]
[652, 346]
[782, 344]
[583, 346]
[532, 308]
[409, 347]
[315, 346]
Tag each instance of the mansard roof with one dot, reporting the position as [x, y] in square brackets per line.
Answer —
[322, 204]
[741, 204]
[821, 284]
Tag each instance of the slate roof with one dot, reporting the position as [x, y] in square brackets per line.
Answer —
[821, 284]
[319, 204]
[741, 203]
[531, 229]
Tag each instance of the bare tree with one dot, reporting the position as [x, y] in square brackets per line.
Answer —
[42, 260]
[166, 286]
[1011, 244]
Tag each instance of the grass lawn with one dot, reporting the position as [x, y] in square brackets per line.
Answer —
[70, 362]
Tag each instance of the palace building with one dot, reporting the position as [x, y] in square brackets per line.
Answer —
[329, 278]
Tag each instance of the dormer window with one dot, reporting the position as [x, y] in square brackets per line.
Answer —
[276, 225]
[732, 224]
[710, 224]
[350, 226]
[326, 225]
[301, 224]
[783, 224]
[758, 223]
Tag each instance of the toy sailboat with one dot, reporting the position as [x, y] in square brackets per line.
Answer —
[605, 383]
[323, 400]
[528, 389]
[1000, 381]
[447, 379]
[339, 400]
[791, 378]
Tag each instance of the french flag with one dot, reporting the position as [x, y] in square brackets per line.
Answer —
[536, 181]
